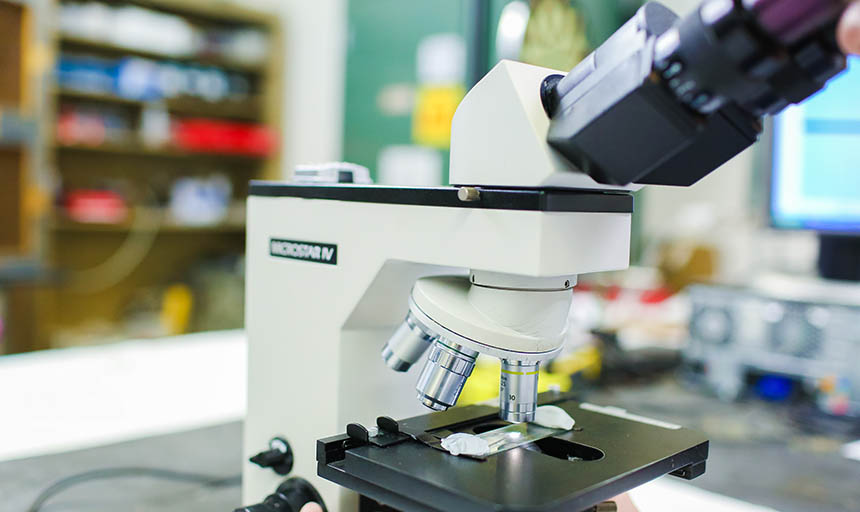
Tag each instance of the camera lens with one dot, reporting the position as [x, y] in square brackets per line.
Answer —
[442, 379]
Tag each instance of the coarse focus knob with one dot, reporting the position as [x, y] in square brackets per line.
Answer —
[290, 496]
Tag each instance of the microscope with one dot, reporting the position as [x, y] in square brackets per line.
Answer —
[543, 166]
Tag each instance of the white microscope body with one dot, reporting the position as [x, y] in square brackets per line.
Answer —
[332, 271]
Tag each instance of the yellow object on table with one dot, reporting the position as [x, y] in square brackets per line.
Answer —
[176, 307]
[483, 384]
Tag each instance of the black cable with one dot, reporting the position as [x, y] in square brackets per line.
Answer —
[125, 472]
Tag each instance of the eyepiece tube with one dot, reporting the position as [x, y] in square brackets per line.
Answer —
[518, 390]
[792, 20]
[406, 345]
[442, 379]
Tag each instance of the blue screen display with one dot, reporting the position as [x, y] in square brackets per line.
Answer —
[816, 159]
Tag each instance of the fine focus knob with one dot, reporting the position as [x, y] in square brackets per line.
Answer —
[467, 194]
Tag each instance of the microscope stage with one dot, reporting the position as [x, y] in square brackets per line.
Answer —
[608, 452]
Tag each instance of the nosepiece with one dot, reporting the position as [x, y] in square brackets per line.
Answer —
[519, 319]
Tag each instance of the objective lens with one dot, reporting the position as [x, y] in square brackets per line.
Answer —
[441, 381]
[518, 391]
[406, 345]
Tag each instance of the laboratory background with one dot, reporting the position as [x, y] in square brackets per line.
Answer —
[139, 141]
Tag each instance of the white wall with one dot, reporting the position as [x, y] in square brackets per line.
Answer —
[315, 36]
[314, 69]
[682, 7]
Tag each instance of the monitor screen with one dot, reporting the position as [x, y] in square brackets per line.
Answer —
[816, 160]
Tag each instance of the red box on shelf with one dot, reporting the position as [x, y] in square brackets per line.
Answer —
[95, 206]
[213, 136]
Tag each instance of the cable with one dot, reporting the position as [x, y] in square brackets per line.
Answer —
[125, 472]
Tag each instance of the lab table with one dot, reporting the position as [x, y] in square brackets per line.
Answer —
[177, 404]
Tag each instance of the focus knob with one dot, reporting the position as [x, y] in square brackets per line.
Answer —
[290, 496]
[279, 457]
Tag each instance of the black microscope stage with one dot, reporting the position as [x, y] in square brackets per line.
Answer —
[608, 452]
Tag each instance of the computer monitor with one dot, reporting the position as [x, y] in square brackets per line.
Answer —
[816, 160]
[815, 179]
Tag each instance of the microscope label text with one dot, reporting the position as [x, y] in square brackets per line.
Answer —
[308, 251]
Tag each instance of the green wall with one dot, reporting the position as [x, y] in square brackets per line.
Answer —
[382, 40]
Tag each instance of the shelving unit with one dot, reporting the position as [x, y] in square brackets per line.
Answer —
[168, 228]
[88, 45]
[135, 150]
[233, 223]
[22, 194]
[144, 174]
[17, 130]
[248, 109]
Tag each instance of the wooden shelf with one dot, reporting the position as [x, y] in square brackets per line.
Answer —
[91, 45]
[16, 129]
[14, 271]
[63, 224]
[95, 96]
[221, 12]
[139, 150]
[246, 109]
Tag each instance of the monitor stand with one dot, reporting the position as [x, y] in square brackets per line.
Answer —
[839, 257]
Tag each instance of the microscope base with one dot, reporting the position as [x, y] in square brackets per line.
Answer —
[608, 452]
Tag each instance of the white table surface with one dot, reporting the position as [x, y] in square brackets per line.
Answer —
[60, 400]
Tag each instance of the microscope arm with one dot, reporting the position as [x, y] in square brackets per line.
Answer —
[666, 100]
